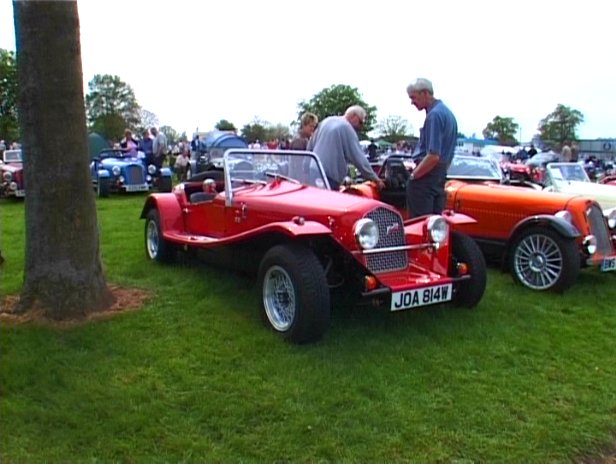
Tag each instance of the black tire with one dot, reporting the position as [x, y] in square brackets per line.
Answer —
[294, 297]
[156, 247]
[542, 259]
[102, 187]
[164, 184]
[468, 293]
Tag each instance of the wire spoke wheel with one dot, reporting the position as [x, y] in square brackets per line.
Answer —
[279, 298]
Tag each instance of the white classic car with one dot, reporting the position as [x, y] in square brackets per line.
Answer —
[571, 178]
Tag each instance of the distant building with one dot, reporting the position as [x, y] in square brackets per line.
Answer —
[601, 148]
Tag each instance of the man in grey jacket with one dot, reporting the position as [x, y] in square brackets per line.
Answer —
[336, 144]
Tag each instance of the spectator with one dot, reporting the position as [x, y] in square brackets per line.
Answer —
[307, 125]
[145, 146]
[159, 147]
[372, 148]
[425, 190]
[337, 145]
[532, 151]
[181, 164]
[128, 143]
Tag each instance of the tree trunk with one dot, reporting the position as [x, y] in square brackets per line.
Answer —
[63, 272]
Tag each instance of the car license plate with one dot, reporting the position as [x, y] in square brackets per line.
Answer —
[420, 297]
[136, 188]
[608, 264]
[20, 193]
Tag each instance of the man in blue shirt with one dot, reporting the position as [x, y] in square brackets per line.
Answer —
[425, 191]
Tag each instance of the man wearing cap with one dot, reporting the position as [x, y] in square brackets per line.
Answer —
[425, 190]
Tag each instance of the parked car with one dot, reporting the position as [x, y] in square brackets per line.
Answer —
[572, 178]
[275, 215]
[538, 163]
[12, 175]
[115, 170]
[210, 151]
[543, 238]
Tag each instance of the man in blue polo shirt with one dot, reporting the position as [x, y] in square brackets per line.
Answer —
[425, 191]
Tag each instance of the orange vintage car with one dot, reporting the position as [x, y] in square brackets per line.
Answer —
[543, 238]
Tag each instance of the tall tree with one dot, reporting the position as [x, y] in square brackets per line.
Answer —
[111, 106]
[395, 128]
[147, 120]
[559, 127]
[172, 135]
[334, 100]
[502, 129]
[9, 127]
[63, 272]
[224, 125]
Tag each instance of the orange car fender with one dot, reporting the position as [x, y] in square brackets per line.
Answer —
[366, 189]
[560, 225]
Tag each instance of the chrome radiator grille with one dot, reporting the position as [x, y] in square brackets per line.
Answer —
[134, 175]
[599, 229]
[391, 234]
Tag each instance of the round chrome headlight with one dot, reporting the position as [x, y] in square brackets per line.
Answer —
[366, 233]
[151, 169]
[7, 176]
[148, 178]
[116, 170]
[611, 219]
[438, 229]
[13, 186]
[566, 215]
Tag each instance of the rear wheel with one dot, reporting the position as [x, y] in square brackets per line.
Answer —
[295, 299]
[468, 292]
[542, 259]
[156, 247]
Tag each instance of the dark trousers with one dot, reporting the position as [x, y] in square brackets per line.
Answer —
[427, 195]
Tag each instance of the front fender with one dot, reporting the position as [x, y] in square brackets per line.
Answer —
[168, 208]
[165, 172]
[103, 173]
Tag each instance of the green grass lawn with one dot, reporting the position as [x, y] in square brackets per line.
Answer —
[194, 375]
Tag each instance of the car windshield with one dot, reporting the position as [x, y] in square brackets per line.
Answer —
[567, 172]
[474, 167]
[12, 156]
[263, 166]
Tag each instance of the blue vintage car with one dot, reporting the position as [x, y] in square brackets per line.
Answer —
[115, 170]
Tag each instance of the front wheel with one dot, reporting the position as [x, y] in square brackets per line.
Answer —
[156, 247]
[468, 292]
[542, 259]
[103, 187]
[295, 299]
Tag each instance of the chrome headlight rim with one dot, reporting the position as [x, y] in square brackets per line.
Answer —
[7, 176]
[366, 233]
[151, 169]
[438, 229]
[116, 170]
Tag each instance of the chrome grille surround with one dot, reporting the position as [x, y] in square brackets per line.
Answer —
[391, 234]
[599, 229]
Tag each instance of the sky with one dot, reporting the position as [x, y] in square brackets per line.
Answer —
[194, 63]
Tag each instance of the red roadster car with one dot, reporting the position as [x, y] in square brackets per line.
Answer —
[274, 210]
[543, 238]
